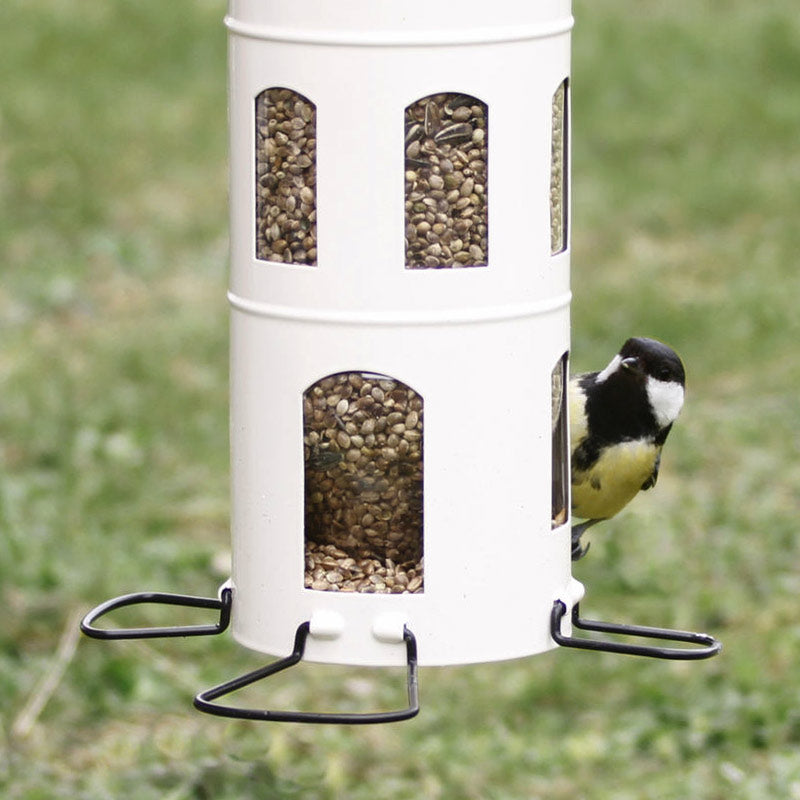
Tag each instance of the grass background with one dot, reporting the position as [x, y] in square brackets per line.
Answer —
[113, 425]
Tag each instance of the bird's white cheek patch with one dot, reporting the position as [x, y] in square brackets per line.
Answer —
[666, 400]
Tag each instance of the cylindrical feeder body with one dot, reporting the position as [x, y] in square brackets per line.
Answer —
[400, 326]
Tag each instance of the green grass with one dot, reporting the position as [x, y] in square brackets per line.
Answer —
[113, 426]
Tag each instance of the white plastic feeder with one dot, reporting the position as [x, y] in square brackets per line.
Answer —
[399, 335]
[476, 343]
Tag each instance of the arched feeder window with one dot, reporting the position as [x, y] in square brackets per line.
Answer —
[558, 169]
[560, 446]
[286, 177]
[363, 484]
[446, 145]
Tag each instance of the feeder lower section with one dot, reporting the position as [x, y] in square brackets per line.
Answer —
[378, 486]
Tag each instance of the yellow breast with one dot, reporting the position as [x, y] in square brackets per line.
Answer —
[613, 480]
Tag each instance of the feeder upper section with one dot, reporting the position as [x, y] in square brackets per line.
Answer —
[399, 162]
[396, 21]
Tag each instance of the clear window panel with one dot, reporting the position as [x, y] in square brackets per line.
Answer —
[560, 449]
[362, 443]
[446, 169]
[286, 177]
[558, 170]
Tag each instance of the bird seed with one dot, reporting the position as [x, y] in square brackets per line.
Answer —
[446, 174]
[363, 484]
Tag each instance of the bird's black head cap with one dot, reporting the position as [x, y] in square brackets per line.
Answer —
[654, 359]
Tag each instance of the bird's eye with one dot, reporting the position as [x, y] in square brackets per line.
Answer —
[663, 373]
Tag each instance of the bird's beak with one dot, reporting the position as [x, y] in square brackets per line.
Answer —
[631, 364]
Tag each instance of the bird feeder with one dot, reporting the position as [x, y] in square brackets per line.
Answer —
[400, 326]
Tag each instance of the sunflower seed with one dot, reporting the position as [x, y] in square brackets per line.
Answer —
[432, 118]
[455, 133]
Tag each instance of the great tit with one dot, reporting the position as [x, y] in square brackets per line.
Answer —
[620, 418]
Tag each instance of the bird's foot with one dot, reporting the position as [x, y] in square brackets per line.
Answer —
[578, 550]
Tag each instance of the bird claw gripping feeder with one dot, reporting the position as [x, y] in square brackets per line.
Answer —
[399, 338]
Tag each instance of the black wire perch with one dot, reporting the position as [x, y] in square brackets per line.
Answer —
[222, 604]
[707, 646]
[204, 701]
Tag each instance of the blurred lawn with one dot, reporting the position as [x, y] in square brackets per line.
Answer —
[113, 425]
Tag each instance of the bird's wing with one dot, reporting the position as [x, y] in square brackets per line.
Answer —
[651, 481]
[660, 439]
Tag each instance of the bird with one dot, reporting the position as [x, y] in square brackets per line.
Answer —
[620, 418]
